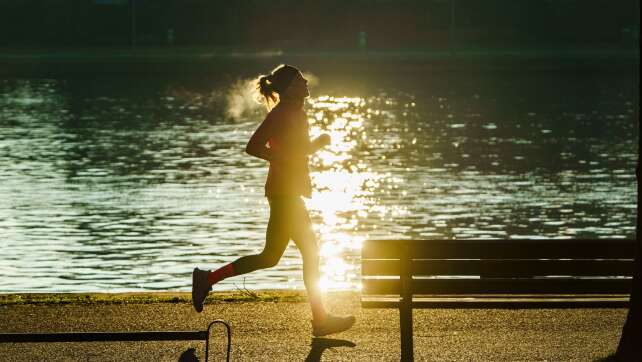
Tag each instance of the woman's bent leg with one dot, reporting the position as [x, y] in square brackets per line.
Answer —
[276, 240]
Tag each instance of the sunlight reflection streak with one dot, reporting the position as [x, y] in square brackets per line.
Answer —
[344, 185]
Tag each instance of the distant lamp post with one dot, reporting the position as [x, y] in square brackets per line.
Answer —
[362, 40]
[170, 36]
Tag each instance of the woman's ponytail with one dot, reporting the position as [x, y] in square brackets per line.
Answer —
[266, 88]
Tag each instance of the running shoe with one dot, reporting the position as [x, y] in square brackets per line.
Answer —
[332, 324]
[200, 288]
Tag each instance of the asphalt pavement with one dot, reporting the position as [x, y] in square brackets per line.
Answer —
[280, 331]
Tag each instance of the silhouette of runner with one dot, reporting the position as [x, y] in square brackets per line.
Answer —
[283, 140]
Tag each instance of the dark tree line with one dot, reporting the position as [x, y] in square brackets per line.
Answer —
[329, 24]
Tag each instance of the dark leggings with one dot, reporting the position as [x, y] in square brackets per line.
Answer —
[288, 220]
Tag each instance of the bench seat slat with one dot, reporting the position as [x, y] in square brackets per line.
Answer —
[501, 249]
[501, 285]
[501, 268]
[476, 301]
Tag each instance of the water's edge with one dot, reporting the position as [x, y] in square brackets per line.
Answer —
[264, 295]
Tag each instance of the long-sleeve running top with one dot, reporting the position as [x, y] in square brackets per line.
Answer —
[286, 132]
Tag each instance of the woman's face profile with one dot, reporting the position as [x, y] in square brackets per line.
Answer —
[298, 88]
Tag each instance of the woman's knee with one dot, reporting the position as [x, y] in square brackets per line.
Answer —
[268, 259]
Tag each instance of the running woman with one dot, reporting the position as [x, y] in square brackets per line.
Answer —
[283, 140]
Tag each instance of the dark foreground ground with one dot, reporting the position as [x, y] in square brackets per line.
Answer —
[276, 327]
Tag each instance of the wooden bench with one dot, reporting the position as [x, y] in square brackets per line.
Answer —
[121, 336]
[409, 274]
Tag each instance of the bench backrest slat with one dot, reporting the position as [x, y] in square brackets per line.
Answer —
[501, 268]
[501, 249]
[500, 286]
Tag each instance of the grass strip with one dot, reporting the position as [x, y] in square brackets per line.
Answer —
[148, 298]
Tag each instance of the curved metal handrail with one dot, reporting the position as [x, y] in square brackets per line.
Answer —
[229, 339]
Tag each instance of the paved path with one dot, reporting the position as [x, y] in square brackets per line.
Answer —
[280, 331]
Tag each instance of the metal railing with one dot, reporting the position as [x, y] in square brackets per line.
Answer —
[121, 336]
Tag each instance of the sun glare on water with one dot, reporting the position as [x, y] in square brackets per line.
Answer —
[344, 186]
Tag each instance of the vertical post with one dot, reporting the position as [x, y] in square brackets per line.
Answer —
[628, 348]
[405, 304]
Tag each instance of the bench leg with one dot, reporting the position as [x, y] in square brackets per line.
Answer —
[405, 319]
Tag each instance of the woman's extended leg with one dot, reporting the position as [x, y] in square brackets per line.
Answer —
[322, 323]
[304, 239]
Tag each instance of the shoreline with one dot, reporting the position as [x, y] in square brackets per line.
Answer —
[105, 298]
[42, 62]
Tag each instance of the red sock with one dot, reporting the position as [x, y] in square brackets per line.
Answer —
[221, 273]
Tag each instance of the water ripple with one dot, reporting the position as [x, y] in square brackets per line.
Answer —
[107, 188]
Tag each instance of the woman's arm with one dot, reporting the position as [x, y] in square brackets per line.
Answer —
[319, 143]
[256, 146]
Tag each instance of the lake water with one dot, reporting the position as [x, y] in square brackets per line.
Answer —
[126, 184]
